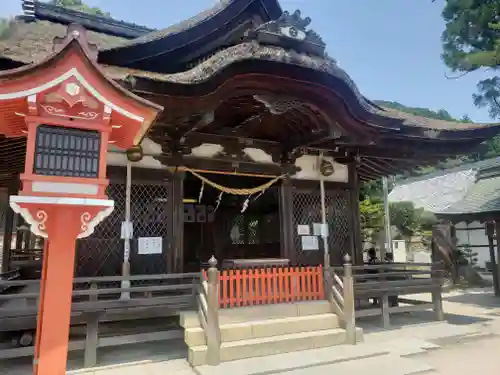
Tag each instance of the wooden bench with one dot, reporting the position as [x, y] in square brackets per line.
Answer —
[383, 281]
[96, 300]
[397, 280]
[8, 276]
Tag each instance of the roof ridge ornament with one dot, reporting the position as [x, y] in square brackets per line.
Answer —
[29, 9]
[79, 34]
[290, 31]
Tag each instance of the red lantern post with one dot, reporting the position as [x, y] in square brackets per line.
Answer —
[69, 111]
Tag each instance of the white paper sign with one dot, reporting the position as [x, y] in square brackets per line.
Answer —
[150, 245]
[127, 230]
[303, 230]
[309, 243]
[320, 229]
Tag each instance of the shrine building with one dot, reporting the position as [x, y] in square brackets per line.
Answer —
[252, 115]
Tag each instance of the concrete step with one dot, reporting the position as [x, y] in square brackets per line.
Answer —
[264, 328]
[282, 363]
[190, 319]
[264, 346]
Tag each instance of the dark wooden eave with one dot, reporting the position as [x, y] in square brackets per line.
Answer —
[171, 49]
[37, 10]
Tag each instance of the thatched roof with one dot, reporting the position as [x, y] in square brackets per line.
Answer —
[28, 42]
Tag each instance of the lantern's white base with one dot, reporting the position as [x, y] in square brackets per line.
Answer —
[21, 203]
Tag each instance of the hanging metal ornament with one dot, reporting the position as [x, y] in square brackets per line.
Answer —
[245, 204]
[201, 191]
[217, 202]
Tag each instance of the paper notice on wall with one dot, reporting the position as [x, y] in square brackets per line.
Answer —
[150, 245]
[127, 230]
[303, 230]
[309, 243]
[320, 229]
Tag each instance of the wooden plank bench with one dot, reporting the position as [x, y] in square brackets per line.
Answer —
[387, 283]
[8, 276]
[96, 302]
[397, 280]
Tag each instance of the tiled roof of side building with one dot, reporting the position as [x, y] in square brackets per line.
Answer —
[438, 192]
[483, 197]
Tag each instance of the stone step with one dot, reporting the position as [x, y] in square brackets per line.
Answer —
[264, 346]
[264, 328]
[282, 363]
[245, 314]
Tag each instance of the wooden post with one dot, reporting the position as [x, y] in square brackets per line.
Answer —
[349, 305]
[490, 232]
[213, 334]
[497, 231]
[437, 301]
[92, 332]
[357, 246]
[125, 283]
[288, 250]
[177, 234]
[386, 322]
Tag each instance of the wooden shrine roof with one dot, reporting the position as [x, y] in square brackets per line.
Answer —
[279, 91]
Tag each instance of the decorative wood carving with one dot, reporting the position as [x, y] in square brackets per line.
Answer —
[279, 105]
[290, 30]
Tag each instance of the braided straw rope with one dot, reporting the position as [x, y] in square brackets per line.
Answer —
[227, 190]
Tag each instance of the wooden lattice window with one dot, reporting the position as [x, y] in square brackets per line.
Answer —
[61, 151]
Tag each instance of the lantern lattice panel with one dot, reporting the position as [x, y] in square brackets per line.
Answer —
[307, 211]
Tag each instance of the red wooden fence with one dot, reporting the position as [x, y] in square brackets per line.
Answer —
[248, 287]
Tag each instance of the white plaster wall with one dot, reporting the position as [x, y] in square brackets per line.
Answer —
[309, 169]
[307, 163]
[474, 235]
[399, 251]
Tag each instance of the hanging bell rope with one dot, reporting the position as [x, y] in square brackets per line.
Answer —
[234, 191]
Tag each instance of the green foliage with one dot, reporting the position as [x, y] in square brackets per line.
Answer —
[465, 255]
[80, 6]
[471, 41]
[492, 149]
[372, 217]
[4, 28]
[408, 220]
[441, 114]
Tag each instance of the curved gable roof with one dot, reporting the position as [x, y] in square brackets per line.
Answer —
[207, 28]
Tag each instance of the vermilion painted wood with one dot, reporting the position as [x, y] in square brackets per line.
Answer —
[250, 287]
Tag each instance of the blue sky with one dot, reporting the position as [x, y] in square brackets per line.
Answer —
[391, 48]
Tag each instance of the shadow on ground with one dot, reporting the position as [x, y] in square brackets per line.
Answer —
[134, 353]
[475, 297]
[406, 320]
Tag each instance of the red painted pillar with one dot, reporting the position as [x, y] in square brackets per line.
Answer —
[56, 291]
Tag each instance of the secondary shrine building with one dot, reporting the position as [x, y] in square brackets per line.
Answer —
[255, 115]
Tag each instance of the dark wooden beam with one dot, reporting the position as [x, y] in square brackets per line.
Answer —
[288, 250]
[357, 245]
[177, 233]
[223, 165]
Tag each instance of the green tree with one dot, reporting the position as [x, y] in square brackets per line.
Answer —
[80, 6]
[408, 220]
[471, 41]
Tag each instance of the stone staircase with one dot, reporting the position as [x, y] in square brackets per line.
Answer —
[266, 330]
